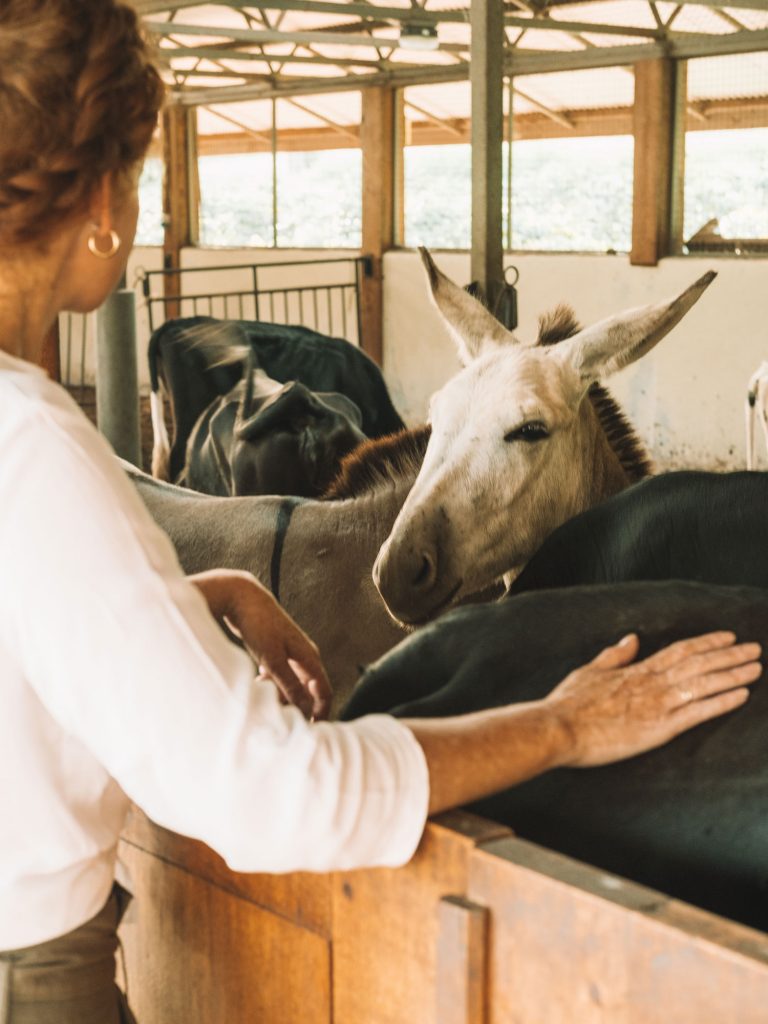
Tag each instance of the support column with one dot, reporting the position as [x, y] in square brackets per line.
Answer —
[653, 128]
[510, 156]
[398, 187]
[486, 78]
[180, 193]
[677, 185]
[377, 138]
[117, 384]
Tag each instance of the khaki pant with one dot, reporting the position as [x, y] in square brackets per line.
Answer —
[69, 980]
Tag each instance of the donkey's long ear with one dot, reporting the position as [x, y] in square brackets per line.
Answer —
[473, 328]
[611, 344]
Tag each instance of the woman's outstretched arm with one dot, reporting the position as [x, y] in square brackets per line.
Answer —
[606, 711]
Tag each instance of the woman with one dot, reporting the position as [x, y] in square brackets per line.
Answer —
[117, 683]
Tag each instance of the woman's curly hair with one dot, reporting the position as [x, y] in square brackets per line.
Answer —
[79, 97]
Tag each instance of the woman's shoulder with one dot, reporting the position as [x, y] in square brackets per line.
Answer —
[45, 436]
[36, 409]
[56, 468]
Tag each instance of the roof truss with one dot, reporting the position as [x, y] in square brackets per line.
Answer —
[269, 50]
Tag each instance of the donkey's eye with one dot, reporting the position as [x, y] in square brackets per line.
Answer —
[533, 431]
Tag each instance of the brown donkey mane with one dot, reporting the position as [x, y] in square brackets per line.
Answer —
[378, 463]
[560, 324]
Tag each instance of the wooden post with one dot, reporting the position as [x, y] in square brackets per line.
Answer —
[653, 127]
[401, 140]
[377, 138]
[461, 961]
[180, 194]
[677, 186]
[486, 78]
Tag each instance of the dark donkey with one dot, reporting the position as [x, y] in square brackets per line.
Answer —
[688, 819]
[197, 360]
[263, 437]
[689, 525]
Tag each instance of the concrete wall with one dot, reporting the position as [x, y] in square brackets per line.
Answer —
[686, 397]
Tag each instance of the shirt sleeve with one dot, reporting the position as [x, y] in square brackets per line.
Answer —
[123, 652]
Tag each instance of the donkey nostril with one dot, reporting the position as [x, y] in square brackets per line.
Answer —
[426, 573]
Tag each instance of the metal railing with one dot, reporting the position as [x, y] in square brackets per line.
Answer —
[329, 305]
[327, 299]
[76, 342]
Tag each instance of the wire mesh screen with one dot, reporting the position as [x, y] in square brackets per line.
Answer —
[726, 155]
[567, 178]
[571, 163]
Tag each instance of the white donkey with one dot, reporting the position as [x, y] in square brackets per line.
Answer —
[757, 404]
[516, 449]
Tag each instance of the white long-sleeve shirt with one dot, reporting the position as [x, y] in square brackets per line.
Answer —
[117, 685]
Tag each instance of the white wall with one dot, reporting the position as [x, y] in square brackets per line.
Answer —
[686, 397]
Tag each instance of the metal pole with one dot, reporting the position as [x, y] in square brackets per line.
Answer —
[486, 77]
[117, 385]
[274, 173]
[510, 128]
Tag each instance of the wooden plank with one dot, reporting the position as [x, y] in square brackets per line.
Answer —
[377, 138]
[573, 945]
[398, 182]
[654, 82]
[386, 927]
[195, 954]
[726, 113]
[461, 955]
[179, 191]
[680, 118]
[303, 898]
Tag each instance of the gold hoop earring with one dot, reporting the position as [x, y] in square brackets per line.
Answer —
[114, 245]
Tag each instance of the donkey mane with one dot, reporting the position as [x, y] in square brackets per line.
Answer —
[380, 463]
[560, 324]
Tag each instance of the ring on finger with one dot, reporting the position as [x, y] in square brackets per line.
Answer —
[685, 696]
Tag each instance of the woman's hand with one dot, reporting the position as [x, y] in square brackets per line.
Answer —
[285, 653]
[612, 709]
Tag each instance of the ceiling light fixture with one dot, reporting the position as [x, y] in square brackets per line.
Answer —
[415, 36]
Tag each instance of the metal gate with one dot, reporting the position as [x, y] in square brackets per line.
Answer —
[323, 294]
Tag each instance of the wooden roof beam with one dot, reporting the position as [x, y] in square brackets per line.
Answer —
[253, 132]
[407, 15]
[527, 62]
[349, 131]
[218, 53]
[247, 35]
[434, 119]
[554, 115]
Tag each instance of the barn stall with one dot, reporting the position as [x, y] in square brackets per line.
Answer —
[660, 111]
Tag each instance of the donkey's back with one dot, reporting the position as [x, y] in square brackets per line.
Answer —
[689, 818]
